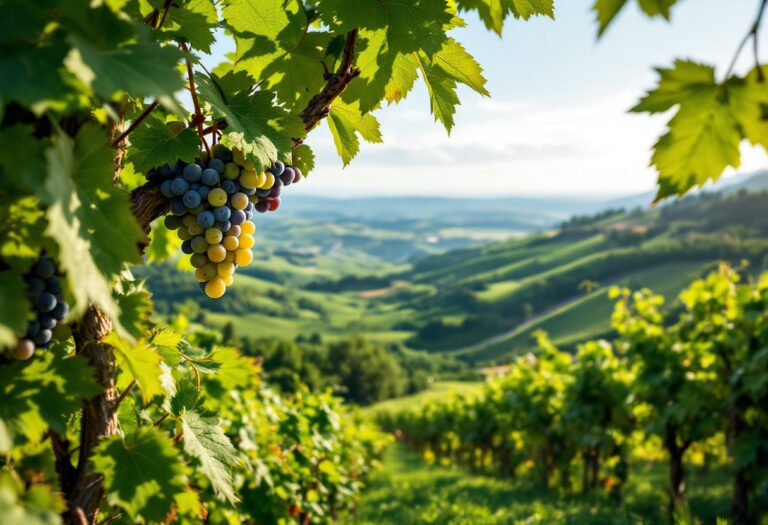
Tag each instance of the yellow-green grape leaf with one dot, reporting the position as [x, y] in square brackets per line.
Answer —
[403, 76]
[685, 82]
[494, 12]
[346, 122]
[702, 138]
[143, 473]
[748, 99]
[141, 362]
[135, 304]
[154, 143]
[89, 218]
[458, 64]
[701, 142]
[192, 22]
[262, 130]
[303, 158]
[606, 11]
[442, 92]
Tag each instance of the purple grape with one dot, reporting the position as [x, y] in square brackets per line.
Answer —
[248, 191]
[44, 268]
[43, 336]
[275, 191]
[237, 218]
[262, 206]
[177, 207]
[235, 231]
[222, 213]
[166, 171]
[33, 328]
[172, 222]
[46, 302]
[230, 186]
[277, 168]
[179, 186]
[216, 164]
[203, 191]
[193, 172]
[220, 151]
[35, 286]
[186, 247]
[165, 189]
[61, 310]
[192, 199]
[298, 176]
[53, 285]
[206, 219]
[264, 193]
[47, 321]
[210, 177]
[224, 226]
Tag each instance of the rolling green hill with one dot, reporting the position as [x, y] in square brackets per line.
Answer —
[480, 303]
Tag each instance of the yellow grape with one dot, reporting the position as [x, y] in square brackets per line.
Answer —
[200, 275]
[189, 220]
[228, 280]
[249, 179]
[238, 157]
[217, 253]
[230, 257]
[209, 271]
[246, 242]
[217, 197]
[239, 200]
[248, 228]
[231, 243]
[231, 171]
[196, 229]
[226, 269]
[215, 288]
[184, 235]
[262, 180]
[213, 235]
[243, 257]
[269, 182]
[198, 260]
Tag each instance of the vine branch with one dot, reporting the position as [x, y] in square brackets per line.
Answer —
[753, 35]
[320, 105]
[144, 114]
[198, 118]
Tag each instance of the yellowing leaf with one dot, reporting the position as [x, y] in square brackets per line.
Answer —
[346, 122]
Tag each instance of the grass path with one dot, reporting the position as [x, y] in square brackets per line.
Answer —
[408, 491]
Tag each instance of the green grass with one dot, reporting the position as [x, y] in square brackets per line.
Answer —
[409, 491]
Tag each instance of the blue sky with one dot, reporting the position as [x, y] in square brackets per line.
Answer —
[556, 122]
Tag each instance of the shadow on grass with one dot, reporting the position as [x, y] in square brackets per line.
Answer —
[409, 491]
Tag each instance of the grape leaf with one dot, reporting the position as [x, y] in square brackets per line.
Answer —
[13, 308]
[163, 243]
[34, 76]
[48, 388]
[135, 304]
[748, 100]
[606, 11]
[442, 92]
[274, 45]
[687, 80]
[143, 473]
[204, 439]
[388, 29]
[141, 361]
[701, 142]
[192, 22]
[303, 158]
[18, 142]
[494, 12]
[346, 122]
[143, 68]
[403, 76]
[262, 130]
[456, 63]
[154, 144]
[89, 219]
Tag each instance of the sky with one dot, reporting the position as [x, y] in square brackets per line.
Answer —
[556, 122]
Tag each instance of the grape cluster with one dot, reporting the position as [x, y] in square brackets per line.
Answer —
[44, 292]
[213, 203]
